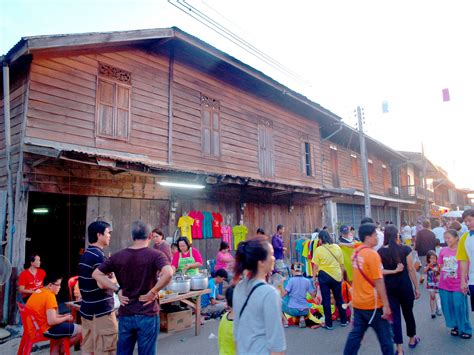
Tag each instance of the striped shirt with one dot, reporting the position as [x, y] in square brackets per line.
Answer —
[95, 301]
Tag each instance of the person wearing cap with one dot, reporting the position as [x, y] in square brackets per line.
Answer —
[346, 238]
[296, 289]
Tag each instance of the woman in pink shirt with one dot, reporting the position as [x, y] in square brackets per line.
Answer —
[453, 300]
[224, 259]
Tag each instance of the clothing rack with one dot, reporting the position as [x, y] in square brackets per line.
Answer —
[293, 238]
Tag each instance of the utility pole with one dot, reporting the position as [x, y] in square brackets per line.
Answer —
[364, 159]
[426, 209]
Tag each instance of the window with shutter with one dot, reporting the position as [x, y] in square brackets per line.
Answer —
[265, 150]
[113, 102]
[386, 179]
[354, 167]
[307, 159]
[371, 170]
[210, 123]
[334, 166]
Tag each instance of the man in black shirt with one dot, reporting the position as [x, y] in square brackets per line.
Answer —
[100, 329]
[425, 241]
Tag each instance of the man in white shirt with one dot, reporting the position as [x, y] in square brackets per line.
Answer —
[406, 234]
[439, 232]
[380, 236]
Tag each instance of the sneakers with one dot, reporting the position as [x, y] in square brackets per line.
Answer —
[344, 324]
[302, 323]
[328, 327]
[438, 313]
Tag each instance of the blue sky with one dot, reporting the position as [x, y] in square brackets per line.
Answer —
[351, 52]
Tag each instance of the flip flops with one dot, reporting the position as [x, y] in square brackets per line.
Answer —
[417, 340]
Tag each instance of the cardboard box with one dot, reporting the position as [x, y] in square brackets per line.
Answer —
[176, 321]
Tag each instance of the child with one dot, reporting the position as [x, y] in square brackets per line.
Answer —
[432, 271]
[453, 301]
[296, 289]
[225, 335]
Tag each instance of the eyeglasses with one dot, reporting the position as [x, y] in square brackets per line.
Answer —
[59, 285]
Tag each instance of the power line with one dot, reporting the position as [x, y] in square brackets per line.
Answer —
[210, 23]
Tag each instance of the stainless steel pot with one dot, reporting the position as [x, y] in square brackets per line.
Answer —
[180, 284]
[199, 282]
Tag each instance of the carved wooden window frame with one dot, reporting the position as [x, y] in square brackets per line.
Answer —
[117, 78]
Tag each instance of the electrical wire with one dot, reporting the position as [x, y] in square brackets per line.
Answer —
[207, 21]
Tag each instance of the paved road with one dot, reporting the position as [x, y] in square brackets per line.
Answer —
[435, 338]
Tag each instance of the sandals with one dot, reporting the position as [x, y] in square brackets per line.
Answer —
[417, 340]
[465, 336]
[454, 332]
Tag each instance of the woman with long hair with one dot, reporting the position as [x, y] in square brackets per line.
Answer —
[400, 277]
[328, 263]
[257, 305]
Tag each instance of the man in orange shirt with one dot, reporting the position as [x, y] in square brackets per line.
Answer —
[369, 299]
[44, 308]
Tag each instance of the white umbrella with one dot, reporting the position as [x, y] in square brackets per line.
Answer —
[453, 214]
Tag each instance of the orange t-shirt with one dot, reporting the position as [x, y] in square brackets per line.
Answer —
[38, 304]
[364, 295]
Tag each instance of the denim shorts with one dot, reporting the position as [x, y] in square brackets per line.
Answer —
[61, 330]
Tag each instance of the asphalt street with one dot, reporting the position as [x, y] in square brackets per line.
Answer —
[435, 338]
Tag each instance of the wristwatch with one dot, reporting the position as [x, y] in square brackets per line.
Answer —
[118, 289]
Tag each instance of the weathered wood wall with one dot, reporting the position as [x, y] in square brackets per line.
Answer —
[62, 109]
[121, 212]
[347, 179]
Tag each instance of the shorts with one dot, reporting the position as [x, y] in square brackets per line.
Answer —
[61, 330]
[100, 335]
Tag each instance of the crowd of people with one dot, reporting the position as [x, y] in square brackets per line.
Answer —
[384, 286]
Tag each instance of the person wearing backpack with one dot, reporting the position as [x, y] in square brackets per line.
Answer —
[257, 305]
[369, 298]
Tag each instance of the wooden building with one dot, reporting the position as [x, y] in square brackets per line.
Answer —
[98, 120]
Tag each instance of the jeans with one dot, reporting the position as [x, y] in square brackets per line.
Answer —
[294, 312]
[138, 329]
[403, 298]
[326, 284]
[455, 310]
[382, 328]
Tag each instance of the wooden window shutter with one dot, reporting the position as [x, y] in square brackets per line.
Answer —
[354, 167]
[211, 127]
[313, 159]
[371, 171]
[303, 158]
[334, 168]
[113, 102]
[122, 126]
[206, 131]
[216, 140]
[266, 151]
[106, 99]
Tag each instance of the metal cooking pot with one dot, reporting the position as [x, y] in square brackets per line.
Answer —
[199, 282]
[180, 284]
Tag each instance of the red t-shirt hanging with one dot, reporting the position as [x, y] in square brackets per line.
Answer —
[196, 228]
[216, 225]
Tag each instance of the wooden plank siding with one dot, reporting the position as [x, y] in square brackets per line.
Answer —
[17, 107]
[59, 176]
[240, 113]
[346, 177]
[62, 108]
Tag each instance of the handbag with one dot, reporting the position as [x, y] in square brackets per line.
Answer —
[416, 260]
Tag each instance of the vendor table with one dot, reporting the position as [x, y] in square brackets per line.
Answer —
[193, 300]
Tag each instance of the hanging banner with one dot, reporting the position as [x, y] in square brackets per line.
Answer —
[446, 95]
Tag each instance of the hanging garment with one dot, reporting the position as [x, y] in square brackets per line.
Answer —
[207, 225]
[196, 229]
[216, 225]
[184, 224]
[240, 234]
